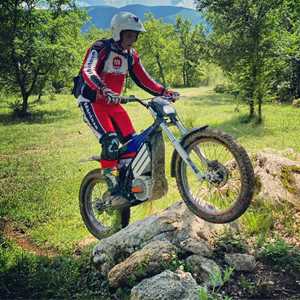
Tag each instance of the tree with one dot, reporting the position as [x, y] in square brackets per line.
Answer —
[36, 44]
[289, 47]
[243, 42]
[192, 43]
[159, 50]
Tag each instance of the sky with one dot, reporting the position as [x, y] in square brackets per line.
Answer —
[120, 3]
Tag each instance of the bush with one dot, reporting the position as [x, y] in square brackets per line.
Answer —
[220, 88]
[284, 92]
[281, 255]
[296, 102]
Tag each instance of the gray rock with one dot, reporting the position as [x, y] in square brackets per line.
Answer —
[241, 262]
[176, 224]
[201, 268]
[119, 246]
[278, 178]
[167, 286]
[196, 246]
[151, 260]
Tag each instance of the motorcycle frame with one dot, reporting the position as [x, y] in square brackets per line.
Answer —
[162, 123]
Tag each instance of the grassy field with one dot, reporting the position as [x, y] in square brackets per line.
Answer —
[40, 172]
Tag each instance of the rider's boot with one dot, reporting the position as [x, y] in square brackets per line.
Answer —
[114, 193]
[111, 176]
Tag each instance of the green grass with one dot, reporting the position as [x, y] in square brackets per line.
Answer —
[26, 276]
[40, 173]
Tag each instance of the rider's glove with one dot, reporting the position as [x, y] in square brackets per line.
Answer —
[111, 97]
[172, 95]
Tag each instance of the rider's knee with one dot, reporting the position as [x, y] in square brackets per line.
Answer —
[110, 146]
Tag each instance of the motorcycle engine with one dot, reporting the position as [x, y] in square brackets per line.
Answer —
[144, 186]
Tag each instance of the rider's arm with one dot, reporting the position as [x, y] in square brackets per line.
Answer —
[142, 78]
[94, 58]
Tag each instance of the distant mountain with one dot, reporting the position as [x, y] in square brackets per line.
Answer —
[101, 15]
[121, 3]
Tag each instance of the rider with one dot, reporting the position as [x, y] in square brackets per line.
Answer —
[105, 67]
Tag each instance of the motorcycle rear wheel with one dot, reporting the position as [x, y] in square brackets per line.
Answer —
[100, 223]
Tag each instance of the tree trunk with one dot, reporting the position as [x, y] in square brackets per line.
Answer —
[161, 71]
[40, 96]
[188, 75]
[253, 89]
[260, 100]
[251, 108]
[41, 87]
[184, 73]
[24, 109]
[296, 78]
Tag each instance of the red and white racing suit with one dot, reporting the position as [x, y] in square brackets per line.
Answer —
[106, 65]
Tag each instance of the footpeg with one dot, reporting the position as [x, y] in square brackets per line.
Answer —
[115, 201]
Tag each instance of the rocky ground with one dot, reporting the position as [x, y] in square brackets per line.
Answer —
[176, 255]
[173, 255]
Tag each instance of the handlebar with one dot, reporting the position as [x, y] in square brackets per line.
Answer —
[143, 102]
[133, 98]
[129, 99]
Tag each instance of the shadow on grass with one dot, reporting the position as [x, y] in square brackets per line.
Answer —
[214, 99]
[239, 126]
[40, 277]
[37, 117]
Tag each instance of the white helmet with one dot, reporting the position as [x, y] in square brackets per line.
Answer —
[125, 21]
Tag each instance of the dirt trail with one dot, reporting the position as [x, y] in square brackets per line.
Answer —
[13, 233]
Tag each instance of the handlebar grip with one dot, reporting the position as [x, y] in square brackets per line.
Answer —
[125, 100]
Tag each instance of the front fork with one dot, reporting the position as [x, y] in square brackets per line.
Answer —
[181, 151]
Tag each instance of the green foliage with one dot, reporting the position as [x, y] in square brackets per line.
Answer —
[258, 221]
[37, 45]
[230, 242]
[192, 44]
[288, 179]
[159, 50]
[216, 282]
[281, 255]
[123, 293]
[219, 279]
[220, 88]
[175, 263]
[95, 34]
[203, 294]
[174, 55]
[247, 285]
[254, 43]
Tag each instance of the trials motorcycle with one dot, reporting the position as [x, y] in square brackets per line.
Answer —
[214, 174]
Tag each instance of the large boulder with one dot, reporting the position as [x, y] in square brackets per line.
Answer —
[167, 286]
[176, 224]
[151, 260]
[277, 177]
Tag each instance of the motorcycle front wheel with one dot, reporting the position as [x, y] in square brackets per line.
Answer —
[100, 221]
[227, 191]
